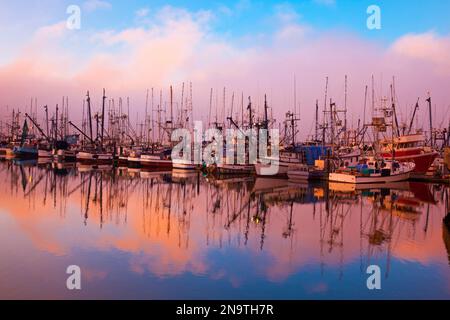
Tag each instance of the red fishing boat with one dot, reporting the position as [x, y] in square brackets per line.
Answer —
[410, 148]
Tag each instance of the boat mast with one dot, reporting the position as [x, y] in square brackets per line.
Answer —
[431, 120]
[324, 126]
[146, 135]
[316, 138]
[210, 107]
[46, 119]
[103, 117]
[394, 107]
[345, 105]
[89, 116]
[56, 124]
[266, 116]
[249, 108]
[413, 116]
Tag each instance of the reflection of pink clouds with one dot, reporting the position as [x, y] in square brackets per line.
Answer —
[145, 241]
[92, 275]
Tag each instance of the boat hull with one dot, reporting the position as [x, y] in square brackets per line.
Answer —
[423, 161]
[155, 162]
[94, 158]
[184, 166]
[25, 153]
[234, 169]
[355, 179]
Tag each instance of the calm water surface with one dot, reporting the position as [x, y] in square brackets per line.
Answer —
[171, 235]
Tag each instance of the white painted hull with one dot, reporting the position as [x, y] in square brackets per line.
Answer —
[184, 166]
[354, 179]
[136, 160]
[94, 157]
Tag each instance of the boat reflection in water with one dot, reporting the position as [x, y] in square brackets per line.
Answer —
[139, 233]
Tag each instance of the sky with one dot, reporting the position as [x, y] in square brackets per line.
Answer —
[249, 47]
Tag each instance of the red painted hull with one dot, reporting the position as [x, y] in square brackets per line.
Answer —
[156, 164]
[423, 161]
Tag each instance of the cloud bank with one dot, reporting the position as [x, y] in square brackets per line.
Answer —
[172, 45]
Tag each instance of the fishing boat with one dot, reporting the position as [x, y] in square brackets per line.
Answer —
[134, 158]
[374, 171]
[299, 173]
[157, 160]
[349, 155]
[293, 157]
[62, 152]
[178, 165]
[64, 155]
[286, 160]
[26, 151]
[410, 148]
[44, 151]
[94, 157]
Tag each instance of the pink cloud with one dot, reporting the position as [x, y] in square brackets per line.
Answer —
[427, 47]
[180, 48]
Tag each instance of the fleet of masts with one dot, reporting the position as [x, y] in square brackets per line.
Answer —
[109, 135]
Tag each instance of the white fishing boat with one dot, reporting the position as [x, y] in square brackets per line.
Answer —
[179, 165]
[134, 158]
[64, 155]
[374, 171]
[285, 161]
[94, 157]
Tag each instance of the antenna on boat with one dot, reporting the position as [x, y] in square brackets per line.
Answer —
[345, 103]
